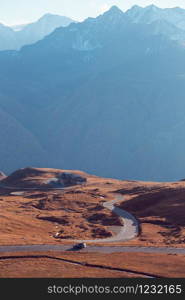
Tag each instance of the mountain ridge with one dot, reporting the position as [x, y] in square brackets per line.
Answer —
[108, 101]
[32, 32]
[152, 13]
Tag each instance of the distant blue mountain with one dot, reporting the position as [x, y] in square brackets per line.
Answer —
[31, 33]
[7, 38]
[168, 21]
[151, 13]
[105, 96]
[37, 31]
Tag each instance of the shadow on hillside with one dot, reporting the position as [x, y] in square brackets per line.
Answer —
[165, 203]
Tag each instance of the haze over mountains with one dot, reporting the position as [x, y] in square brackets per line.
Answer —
[104, 96]
[167, 21]
[153, 13]
[18, 36]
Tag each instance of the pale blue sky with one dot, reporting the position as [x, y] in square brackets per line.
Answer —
[21, 11]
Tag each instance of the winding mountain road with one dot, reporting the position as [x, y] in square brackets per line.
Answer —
[129, 231]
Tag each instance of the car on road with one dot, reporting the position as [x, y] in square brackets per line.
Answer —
[79, 246]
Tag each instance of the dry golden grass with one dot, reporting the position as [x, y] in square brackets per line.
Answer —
[36, 216]
[164, 265]
[51, 266]
[77, 213]
[160, 209]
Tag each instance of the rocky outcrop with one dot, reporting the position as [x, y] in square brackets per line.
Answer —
[101, 233]
[43, 178]
[105, 220]
[67, 179]
[54, 219]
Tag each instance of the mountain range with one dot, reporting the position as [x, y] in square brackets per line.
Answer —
[105, 96]
[13, 38]
[152, 13]
[166, 21]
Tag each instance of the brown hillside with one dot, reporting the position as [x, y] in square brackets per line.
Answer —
[160, 209]
[37, 177]
[47, 215]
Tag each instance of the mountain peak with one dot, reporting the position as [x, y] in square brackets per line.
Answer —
[48, 16]
[152, 7]
[113, 15]
[136, 7]
[51, 17]
[114, 10]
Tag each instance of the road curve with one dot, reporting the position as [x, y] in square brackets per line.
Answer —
[128, 231]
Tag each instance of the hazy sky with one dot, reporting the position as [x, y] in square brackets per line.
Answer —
[25, 11]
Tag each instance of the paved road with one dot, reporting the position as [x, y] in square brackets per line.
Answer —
[102, 249]
[128, 231]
